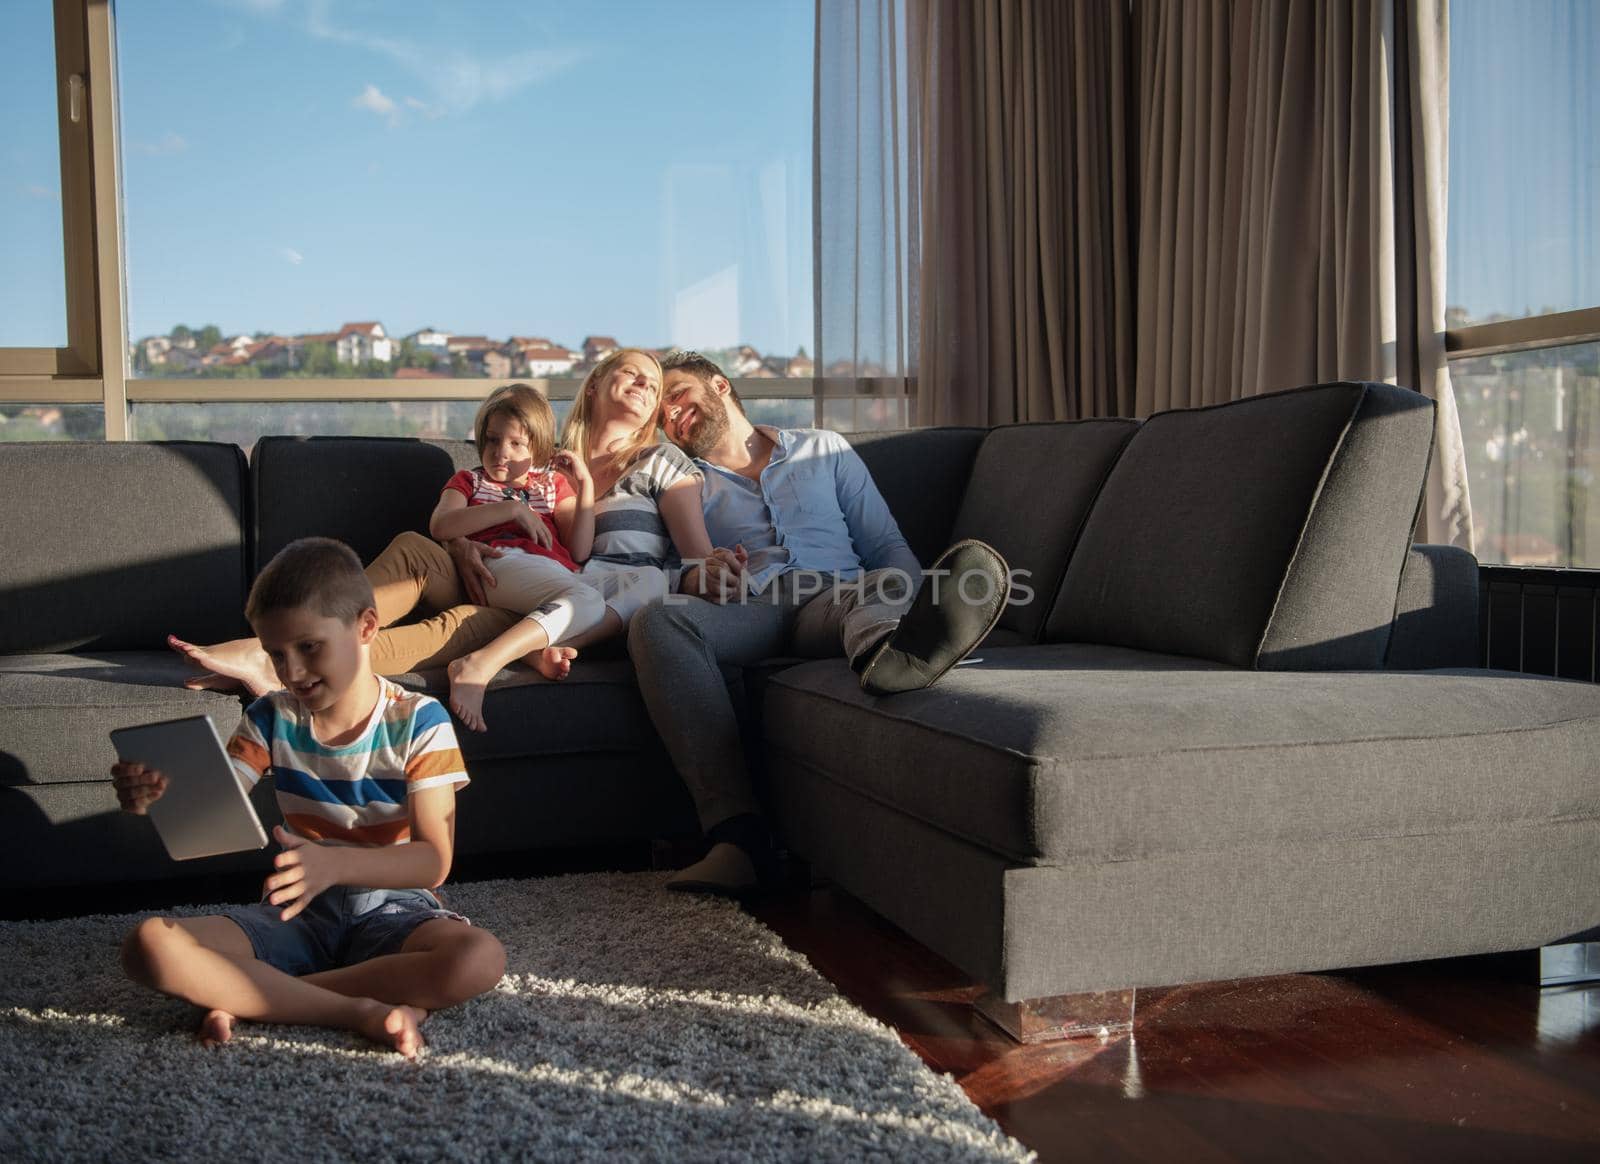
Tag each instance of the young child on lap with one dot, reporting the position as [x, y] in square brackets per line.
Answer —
[348, 933]
[536, 507]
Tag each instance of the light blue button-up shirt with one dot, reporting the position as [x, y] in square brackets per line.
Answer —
[814, 508]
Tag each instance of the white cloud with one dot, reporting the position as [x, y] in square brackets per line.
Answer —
[45, 192]
[457, 80]
[454, 80]
[170, 143]
[294, 257]
[373, 100]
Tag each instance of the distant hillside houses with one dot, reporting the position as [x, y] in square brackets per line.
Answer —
[360, 342]
[427, 353]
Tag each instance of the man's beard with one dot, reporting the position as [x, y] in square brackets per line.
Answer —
[709, 429]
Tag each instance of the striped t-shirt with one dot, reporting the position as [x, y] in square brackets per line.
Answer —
[628, 528]
[541, 492]
[354, 794]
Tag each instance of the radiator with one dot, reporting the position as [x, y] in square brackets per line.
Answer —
[1541, 621]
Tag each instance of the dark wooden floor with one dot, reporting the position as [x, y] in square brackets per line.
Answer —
[1459, 1060]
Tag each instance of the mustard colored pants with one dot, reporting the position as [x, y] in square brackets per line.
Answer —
[416, 571]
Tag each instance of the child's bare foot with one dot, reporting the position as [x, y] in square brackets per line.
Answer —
[468, 679]
[552, 662]
[241, 661]
[399, 1027]
[215, 1029]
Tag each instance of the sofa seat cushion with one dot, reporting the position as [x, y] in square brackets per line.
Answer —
[1068, 754]
[597, 708]
[56, 711]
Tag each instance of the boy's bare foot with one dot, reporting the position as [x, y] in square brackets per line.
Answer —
[399, 1027]
[467, 682]
[552, 662]
[215, 1029]
[240, 661]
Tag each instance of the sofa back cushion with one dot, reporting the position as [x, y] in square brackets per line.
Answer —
[115, 545]
[361, 490]
[1031, 488]
[921, 473]
[1269, 532]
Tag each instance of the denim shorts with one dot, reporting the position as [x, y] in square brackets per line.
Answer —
[342, 926]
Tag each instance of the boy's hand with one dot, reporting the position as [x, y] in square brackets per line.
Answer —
[305, 869]
[137, 787]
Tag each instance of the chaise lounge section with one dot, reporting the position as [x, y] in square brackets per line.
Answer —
[1246, 735]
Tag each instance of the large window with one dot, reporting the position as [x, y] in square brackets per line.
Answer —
[1524, 274]
[234, 217]
[431, 192]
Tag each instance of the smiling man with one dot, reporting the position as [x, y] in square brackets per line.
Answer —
[827, 572]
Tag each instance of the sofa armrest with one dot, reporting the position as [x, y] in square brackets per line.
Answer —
[1436, 616]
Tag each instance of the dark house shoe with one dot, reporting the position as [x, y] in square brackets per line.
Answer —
[936, 635]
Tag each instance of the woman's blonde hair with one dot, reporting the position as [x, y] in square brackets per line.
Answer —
[575, 433]
[526, 405]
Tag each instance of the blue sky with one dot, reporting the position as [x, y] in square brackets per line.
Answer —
[623, 167]
[1524, 156]
[521, 167]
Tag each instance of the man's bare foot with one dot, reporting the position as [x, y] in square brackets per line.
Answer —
[399, 1027]
[468, 679]
[240, 661]
[552, 662]
[215, 1029]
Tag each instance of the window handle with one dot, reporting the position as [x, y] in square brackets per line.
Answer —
[75, 98]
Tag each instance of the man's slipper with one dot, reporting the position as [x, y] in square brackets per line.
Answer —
[973, 583]
[726, 871]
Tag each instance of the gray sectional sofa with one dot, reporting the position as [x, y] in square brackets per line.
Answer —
[1239, 728]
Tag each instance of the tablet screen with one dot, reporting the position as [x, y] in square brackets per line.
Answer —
[204, 810]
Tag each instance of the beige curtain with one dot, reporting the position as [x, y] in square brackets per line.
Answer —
[973, 212]
[1026, 282]
[1291, 224]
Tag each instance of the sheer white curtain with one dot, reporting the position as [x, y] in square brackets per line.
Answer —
[868, 230]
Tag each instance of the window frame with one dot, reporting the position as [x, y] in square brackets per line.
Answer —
[1555, 330]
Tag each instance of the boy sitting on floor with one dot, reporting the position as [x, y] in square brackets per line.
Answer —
[347, 933]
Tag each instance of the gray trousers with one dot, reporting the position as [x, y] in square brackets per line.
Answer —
[677, 647]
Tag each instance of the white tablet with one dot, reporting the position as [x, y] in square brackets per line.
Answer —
[204, 810]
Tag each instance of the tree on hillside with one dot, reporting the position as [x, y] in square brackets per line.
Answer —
[208, 337]
[319, 360]
[411, 356]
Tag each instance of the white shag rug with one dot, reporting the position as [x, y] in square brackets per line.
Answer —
[632, 1023]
